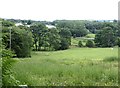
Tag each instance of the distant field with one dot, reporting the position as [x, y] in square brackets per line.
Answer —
[72, 67]
[90, 36]
[74, 41]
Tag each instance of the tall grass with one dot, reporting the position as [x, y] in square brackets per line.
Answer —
[73, 67]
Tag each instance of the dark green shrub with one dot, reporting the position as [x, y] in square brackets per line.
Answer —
[64, 44]
[80, 44]
[90, 43]
[118, 42]
[74, 35]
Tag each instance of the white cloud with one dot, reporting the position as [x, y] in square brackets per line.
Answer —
[59, 9]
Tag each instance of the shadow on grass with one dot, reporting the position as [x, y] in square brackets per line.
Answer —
[110, 59]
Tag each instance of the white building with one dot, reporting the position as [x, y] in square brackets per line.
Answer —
[50, 26]
[18, 24]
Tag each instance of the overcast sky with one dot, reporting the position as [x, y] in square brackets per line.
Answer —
[50, 10]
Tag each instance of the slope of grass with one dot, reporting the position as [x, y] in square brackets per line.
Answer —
[72, 67]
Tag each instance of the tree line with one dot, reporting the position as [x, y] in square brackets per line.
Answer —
[38, 37]
[50, 39]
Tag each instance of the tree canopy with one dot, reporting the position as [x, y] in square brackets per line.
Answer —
[105, 38]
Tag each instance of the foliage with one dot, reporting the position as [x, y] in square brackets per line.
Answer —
[105, 38]
[118, 42]
[80, 44]
[90, 43]
[118, 31]
[6, 23]
[21, 42]
[65, 35]
[54, 39]
[110, 59]
[93, 26]
[96, 26]
[6, 56]
[7, 74]
[39, 34]
[74, 36]
[46, 38]
[77, 28]
[29, 22]
[5, 36]
[50, 39]
[23, 27]
[64, 44]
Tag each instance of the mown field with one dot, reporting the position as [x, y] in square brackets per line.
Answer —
[72, 67]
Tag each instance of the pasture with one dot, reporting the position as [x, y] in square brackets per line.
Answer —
[74, 41]
[72, 67]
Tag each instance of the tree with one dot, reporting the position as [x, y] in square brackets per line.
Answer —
[93, 26]
[75, 27]
[65, 33]
[46, 39]
[54, 39]
[6, 57]
[118, 42]
[74, 36]
[38, 32]
[21, 41]
[105, 38]
[29, 22]
[6, 23]
[64, 44]
[118, 31]
[80, 44]
[90, 43]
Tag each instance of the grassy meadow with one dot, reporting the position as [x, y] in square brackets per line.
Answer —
[72, 67]
[74, 41]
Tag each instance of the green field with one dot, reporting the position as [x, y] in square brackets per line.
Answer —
[90, 36]
[72, 67]
[74, 41]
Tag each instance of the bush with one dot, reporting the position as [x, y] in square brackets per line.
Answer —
[118, 42]
[64, 44]
[80, 44]
[90, 43]
[7, 75]
[74, 35]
